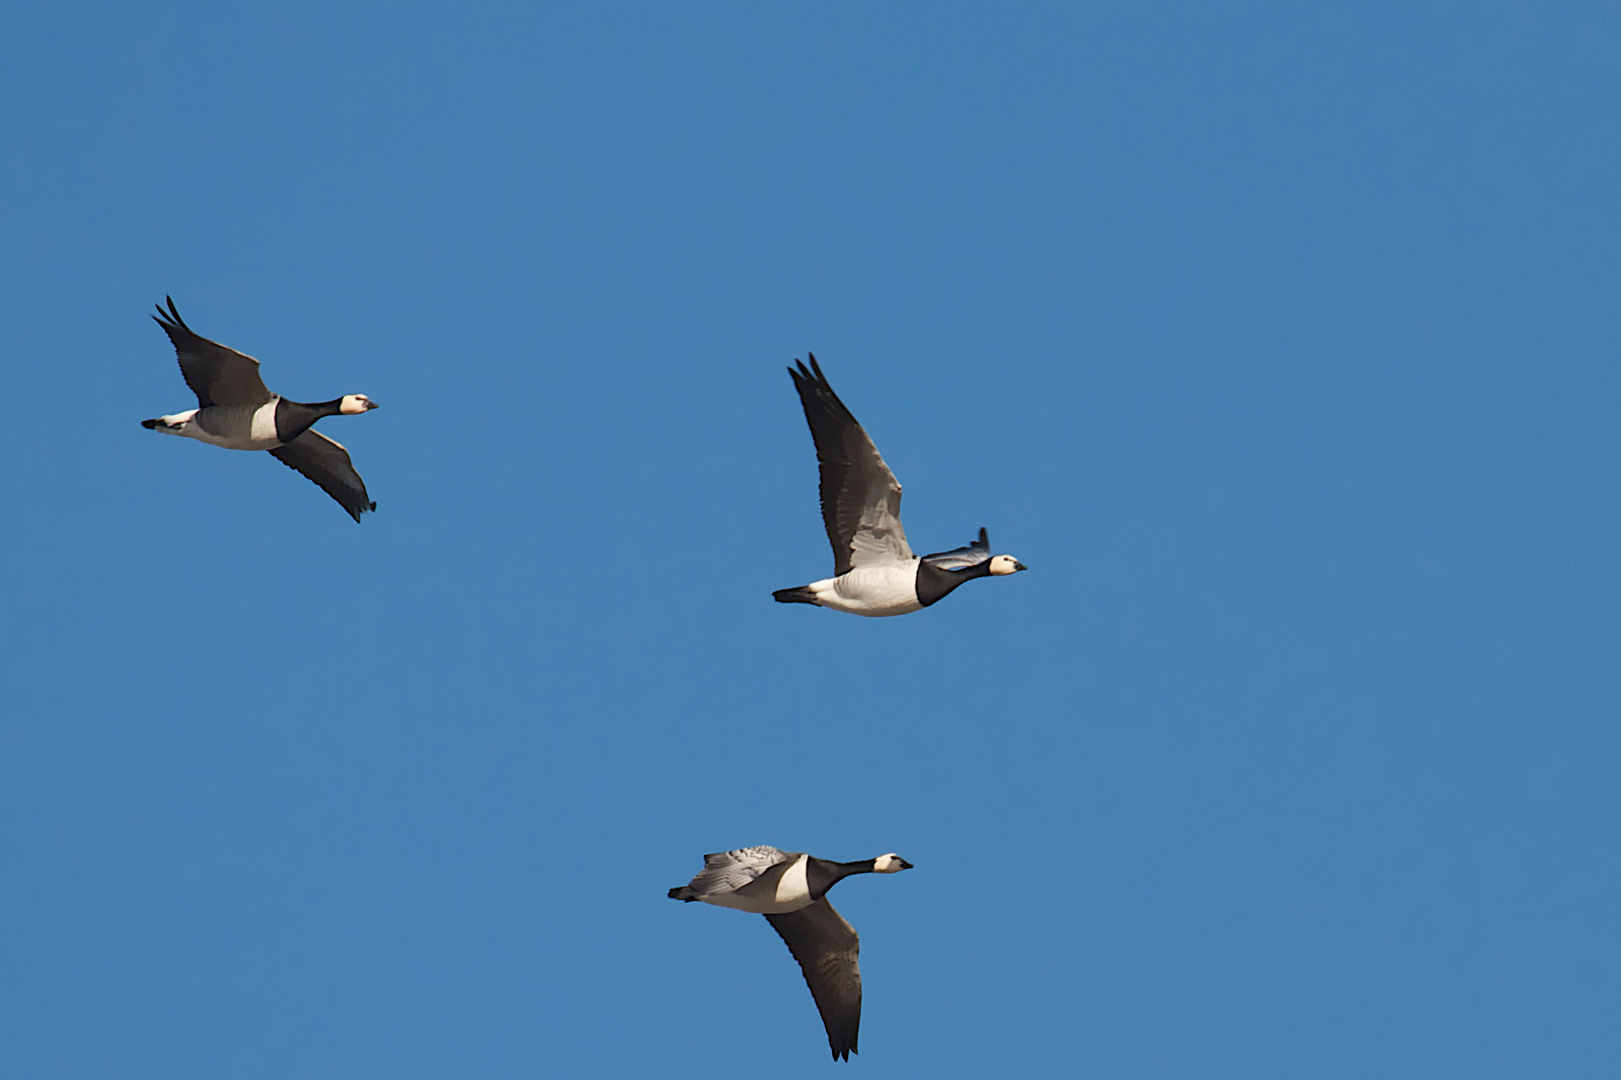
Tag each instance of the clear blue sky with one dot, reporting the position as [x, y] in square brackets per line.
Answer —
[1279, 340]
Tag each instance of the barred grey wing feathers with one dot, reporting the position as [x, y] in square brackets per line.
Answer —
[728, 871]
[963, 557]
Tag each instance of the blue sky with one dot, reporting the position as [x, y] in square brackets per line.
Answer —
[1278, 340]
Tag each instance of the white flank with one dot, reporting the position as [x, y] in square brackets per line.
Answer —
[263, 429]
[874, 591]
[793, 891]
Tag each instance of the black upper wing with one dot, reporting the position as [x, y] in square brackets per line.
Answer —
[216, 374]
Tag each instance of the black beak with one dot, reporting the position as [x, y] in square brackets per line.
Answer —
[1017, 565]
[370, 404]
[904, 864]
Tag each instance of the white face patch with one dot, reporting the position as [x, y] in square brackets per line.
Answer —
[1005, 564]
[888, 864]
[354, 403]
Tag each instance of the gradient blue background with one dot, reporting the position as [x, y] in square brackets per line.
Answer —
[1279, 340]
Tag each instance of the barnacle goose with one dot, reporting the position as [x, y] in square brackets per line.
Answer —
[874, 570]
[236, 411]
[790, 889]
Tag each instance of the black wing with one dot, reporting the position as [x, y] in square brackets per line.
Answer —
[216, 374]
[861, 500]
[826, 947]
[327, 463]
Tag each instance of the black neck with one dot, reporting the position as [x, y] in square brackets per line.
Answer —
[933, 583]
[821, 875]
[293, 418]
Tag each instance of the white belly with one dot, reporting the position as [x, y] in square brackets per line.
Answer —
[874, 591]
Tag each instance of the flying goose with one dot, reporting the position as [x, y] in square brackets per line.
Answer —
[875, 572]
[234, 410]
[790, 889]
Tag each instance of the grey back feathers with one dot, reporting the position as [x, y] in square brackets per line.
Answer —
[729, 871]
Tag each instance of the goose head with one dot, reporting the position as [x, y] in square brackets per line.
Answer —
[890, 864]
[1006, 564]
[351, 404]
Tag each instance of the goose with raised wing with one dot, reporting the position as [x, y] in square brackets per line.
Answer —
[790, 889]
[874, 570]
[236, 411]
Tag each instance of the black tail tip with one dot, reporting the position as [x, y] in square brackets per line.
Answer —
[675, 893]
[149, 424]
[800, 594]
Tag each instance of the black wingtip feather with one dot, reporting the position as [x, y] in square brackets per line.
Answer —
[170, 319]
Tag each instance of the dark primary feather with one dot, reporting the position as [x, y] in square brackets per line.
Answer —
[216, 374]
[327, 463]
[853, 474]
[826, 947]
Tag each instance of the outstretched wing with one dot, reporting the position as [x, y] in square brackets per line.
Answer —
[327, 463]
[960, 558]
[826, 947]
[861, 500]
[216, 374]
[728, 871]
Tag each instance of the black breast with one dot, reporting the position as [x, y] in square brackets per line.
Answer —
[293, 418]
[933, 583]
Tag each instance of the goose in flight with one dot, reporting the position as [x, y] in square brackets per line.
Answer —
[874, 570]
[790, 889]
[236, 411]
